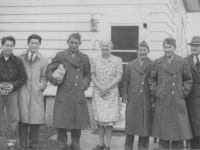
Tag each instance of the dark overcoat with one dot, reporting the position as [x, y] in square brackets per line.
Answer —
[170, 84]
[193, 99]
[70, 109]
[135, 88]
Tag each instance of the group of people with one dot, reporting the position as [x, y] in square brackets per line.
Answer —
[162, 97]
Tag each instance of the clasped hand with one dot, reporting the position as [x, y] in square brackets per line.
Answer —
[103, 91]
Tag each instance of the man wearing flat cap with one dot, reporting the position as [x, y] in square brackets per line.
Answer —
[137, 95]
[193, 99]
[170, 83]
[70, 109]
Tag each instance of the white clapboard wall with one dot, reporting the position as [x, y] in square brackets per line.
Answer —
[55, 20]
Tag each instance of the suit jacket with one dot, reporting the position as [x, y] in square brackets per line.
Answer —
[193, 99]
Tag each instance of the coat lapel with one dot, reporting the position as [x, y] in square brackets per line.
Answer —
[176, 63]
[191, 62]
[136, 66]
[165, 65]
[68, 57]
[78, 58]
[147, 64]
[26, 57]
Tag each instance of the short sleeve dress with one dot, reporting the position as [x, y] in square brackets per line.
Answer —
[107, 108]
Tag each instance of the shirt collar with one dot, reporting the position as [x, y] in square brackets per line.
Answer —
[109, 59]
[170, 59]
[34, 55]
[194, 57]
[141, 61]
[11, 56]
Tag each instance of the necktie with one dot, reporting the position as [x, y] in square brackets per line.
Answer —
[30, 60]
[197, 63]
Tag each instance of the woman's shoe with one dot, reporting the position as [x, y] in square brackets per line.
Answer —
[107, 148]
[98, 147]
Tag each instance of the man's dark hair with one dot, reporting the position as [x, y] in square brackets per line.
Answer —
[34, 36]
[8, 38]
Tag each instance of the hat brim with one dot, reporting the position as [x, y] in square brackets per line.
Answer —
[193, 43]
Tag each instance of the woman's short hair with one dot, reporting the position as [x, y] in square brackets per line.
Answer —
[106, 41]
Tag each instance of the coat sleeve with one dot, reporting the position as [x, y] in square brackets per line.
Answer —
[153, 81]
[187, 79]
[51, 68]
[43, 78]
[21, 78]
[125, 82]
[86, 73]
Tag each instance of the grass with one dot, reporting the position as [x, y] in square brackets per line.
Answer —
[44, 142]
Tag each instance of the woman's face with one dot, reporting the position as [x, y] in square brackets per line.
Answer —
[105, 48]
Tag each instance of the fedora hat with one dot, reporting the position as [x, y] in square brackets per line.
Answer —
[195, 40]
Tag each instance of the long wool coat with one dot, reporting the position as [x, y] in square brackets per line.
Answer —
[31, 102]
[193, 99]
[70, 109]
[135, 88]
[170, 84]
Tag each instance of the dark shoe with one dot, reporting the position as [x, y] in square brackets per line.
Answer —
[12, 147]
[107, 148]
[98, 147]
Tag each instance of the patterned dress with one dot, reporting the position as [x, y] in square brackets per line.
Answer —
[107, 108]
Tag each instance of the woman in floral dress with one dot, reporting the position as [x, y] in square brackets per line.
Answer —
[106, 73]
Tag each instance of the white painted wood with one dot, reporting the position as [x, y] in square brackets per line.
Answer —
[46, 27]
[49, 35]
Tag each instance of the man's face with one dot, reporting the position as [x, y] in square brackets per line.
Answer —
[142, 52]
[34, 45]
[8, 47]
[73, 45]
[195, 49]
[169, 50]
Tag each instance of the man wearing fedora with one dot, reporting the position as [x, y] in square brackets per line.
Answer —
[193, 99]
[170, 83]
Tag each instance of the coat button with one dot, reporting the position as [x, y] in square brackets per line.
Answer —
[162, 84]
[78, 69]
[161, 76]
[133, 90]
[174, 76]
[132, 75]
[67, 76]
[140, 90]
[75, 84]
[143, 75]
[142, 82]
[76, 76]
[68, 84]
[165, 92]
[173, 84]
[133, 82]
[172, 92]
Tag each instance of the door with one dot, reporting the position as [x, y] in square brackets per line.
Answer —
[125, 40]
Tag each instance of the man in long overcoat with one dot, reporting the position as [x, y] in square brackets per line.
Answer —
[170, 82]
[31, 103]
[193, 99]
[70, 109]
[136, 92]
